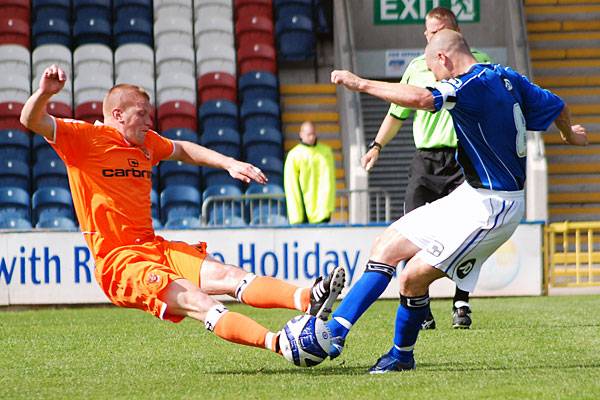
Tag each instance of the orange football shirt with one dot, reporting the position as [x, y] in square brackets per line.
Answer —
[110, 182]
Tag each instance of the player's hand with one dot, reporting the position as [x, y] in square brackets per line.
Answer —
[578, 136]
[347, 79]
[53, 80]
[369, 159]
[246, 172]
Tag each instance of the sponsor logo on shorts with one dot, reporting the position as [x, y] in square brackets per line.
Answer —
[465, 268]
[435, 248]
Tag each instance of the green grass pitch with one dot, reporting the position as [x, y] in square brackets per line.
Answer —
[518, 348]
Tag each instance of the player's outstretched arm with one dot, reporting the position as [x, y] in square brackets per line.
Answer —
[34, 116]
[572, 134]
[193, 153]
[405, 95]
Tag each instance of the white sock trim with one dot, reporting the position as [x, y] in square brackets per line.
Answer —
[461, 303]
[163, 310]
[407, 348]
[343, 322]
[269, 341]
[298, 300]
[214, 314]
[241, 287]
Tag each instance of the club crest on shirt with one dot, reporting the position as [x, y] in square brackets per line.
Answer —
[465, 268]
[508, 85]
[133, 162]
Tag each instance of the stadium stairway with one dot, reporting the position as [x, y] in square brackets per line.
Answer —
[318, 103]
[564, 42]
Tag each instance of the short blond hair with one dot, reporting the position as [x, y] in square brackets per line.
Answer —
[444, 14]
[114, 96]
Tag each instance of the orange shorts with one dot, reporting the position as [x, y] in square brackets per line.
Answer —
[136, 275]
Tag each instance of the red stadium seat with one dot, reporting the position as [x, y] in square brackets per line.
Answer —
[59, 109]
[217, 86]
[90, 111]
[260, 57]
[263, 8]
[177, 114]
[251, 29]
[17, 9]
[14, 31]
[9, 116]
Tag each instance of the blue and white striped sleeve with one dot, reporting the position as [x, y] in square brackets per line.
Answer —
[444, 95]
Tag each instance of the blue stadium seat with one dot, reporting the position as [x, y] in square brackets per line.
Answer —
[86, 9]
[289, 8]
[49, 203]
[178, 201]
[154, 204]
[51, 9]
[42, 150]
[224, 140]
[263, 141]
[271, 166]
[258, 85]
[132, 9]
[216, 114]
[260, 113]
[265, 207]
[269, 220]
[216, 177]
[181, 134]
[183, 223]
[156, 224]
[59, 223]
[133, 30]
[51, 31]
[296, 38]
[155, 178]
[50, 173]
[15, 223]
[15, 144]
[221, 210]
[14, 203]
[14, 173]
[92, 30]
[179, 173]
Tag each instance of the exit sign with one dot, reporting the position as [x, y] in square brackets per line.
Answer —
[414, 11]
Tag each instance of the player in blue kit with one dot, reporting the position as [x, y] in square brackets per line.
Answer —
[492, 107]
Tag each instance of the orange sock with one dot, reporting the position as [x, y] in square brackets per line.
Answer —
[267, 292]
[238, 328]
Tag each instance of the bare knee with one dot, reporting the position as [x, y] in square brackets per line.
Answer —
[391, 247]
[219, 278]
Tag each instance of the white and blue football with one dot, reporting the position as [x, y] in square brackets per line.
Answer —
[305, 341]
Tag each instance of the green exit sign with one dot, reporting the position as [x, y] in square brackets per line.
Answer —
[414, 11]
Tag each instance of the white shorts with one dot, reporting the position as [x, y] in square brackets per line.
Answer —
[457, 233]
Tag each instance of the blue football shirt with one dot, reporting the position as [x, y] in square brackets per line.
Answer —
[492, 107]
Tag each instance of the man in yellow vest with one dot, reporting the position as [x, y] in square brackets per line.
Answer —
[309, 179]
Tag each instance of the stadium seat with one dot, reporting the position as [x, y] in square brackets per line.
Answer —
[92, 30]
[9, 115]
[144, 81]
[296, 38]
[265, 141]
[51, 9]
[88, 9]
[176, 87]
[179, 173]
[14, 223]
[179, 202]
[134, 58]
[50, 173]
[183, 223]
[220, 210]
[181, 134]
[221, 8]
[15, 144]
[91, 88]
[260, 113]
[217, 86]
[42, 150]
[51, 31]
[273, 204]
[50, 202]
[271, 166]
[171, 8]
[90, 111]
[269, 220]
[260, 57]
[59, 223]
[14, 173]
[18, 9]
[132, 30]
[14, 89]
[289, 8]
[93, 59]
[15, 60]
[155, 180]
[251, 30]
[175, 59]
[216, 177]
[173, 30]
[154, 204]
[215, 58]
[259, 85]
[213, 30]
[223, 140]
[177, 114]
[14, 202]
[217, 114]
[262, 8]
[59, 109]
[44, 56]
[132, 9]
[14, 31]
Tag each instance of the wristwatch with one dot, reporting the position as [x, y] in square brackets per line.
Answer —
[374, 144]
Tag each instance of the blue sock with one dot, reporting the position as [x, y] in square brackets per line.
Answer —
[369, 287]
[411, 313]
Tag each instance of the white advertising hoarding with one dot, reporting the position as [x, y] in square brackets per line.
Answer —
[57, 268]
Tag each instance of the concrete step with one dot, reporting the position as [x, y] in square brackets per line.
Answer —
[556, 81]
[317, 88]
[564, 212]
[574, 197]
[564, 54]
[573, 167]
[559, 2]
[567, 150]
[554, 139]
[299, 117]
[562, 26]
[563, 11]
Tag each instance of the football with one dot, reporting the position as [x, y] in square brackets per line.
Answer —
[305, 341]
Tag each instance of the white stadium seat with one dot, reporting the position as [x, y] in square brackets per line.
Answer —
[91, 88]
[134, 57]
[93, 59]
[172, 8]
[220, 8]
[48, 54]
[144, 81]
[215, 58]
[173, 30]
[213, 30]
[15, 60]
[170, 87]
[14, 88]
[175, 59]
